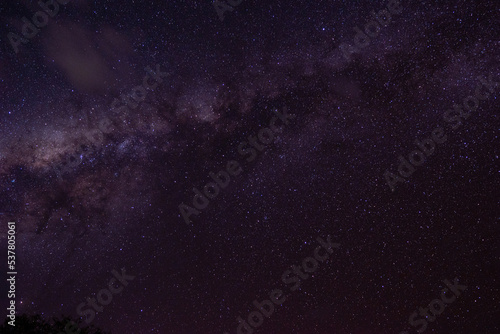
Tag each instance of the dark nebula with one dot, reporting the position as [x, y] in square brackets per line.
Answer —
[94, 164]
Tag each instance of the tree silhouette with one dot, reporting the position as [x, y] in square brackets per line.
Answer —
[35, 324]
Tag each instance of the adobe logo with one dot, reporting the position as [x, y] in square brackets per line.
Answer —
[39, 20]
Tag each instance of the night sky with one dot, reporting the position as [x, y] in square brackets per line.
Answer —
[115, 114]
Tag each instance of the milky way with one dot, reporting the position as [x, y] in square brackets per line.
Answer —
[93, 177]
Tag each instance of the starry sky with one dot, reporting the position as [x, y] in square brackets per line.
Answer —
[87, 201]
